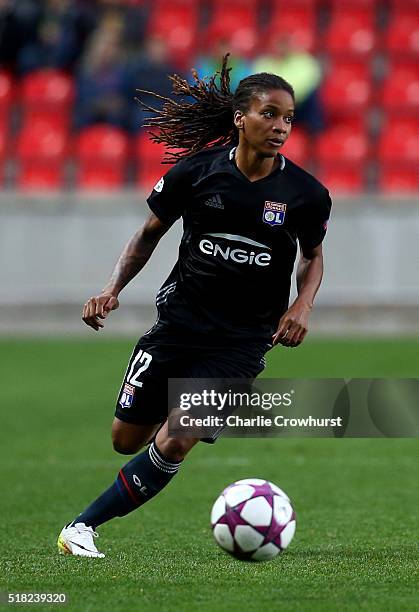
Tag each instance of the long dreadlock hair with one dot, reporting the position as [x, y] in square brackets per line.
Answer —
[190, 126]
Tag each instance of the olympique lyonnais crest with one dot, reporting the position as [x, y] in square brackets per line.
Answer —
[274, 213]
[127, 396]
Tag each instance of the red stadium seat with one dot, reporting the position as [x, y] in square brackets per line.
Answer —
[150, 167]
[402, 34]
[4, 145]
[369, 5]
[60, 121]
[404, 4]
[396, 180]
[405, 125]
[103, 143]
[351, 32]
[148, 177]
[399, 143]
[364, 10]
[347, 88]
[47, 97]
[100, 177]
[36, 176]
[235, 23]
[102, 153]
[42, 142]
[146, 149]
[297, 147]
[342, 144]
[6, 92]
[306, 4]
[178, 25]
[254, 5]
[48, 88]
[298, 23]
[401, 88]
[161, 5]
[4, 124]
[41, 151]
[343, 179]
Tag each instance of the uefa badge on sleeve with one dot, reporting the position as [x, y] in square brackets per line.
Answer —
[159, 185]
[274, 213]
[127, 396]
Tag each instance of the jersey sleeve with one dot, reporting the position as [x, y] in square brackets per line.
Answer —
[313, 226]
[169, 196]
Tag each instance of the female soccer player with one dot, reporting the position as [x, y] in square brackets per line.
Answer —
[244, 207]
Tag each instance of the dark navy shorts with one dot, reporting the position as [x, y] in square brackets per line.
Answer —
[143, 397]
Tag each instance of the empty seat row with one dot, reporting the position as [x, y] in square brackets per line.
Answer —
[100, 157]
[341, 179]
[350, 180]
[399, 141]
[347, 144]
[349, 86]
[100, 154]
[352, 28]
[274, 4]
[44, 94]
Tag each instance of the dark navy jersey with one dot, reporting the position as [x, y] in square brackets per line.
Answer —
[232, 278]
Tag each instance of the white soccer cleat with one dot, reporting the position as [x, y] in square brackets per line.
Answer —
[78, 540]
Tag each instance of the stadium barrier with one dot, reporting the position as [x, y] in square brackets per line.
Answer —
[59, 250]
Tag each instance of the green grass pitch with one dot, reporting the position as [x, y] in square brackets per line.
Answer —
[357, 501]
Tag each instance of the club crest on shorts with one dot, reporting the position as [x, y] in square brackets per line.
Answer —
[274, 213]
[127, 396]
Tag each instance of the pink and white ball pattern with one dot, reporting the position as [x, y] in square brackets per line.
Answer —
[253, 519]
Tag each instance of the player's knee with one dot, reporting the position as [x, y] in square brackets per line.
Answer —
[176, 448]
[124, 447]
[129, 438]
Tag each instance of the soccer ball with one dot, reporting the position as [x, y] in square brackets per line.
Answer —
[253, 519]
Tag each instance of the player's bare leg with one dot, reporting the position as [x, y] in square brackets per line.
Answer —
[128, 438]
[174, 448]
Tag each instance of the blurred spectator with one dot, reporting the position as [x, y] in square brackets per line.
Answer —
[303, 71]
[19, 21]
[207, 65]
[150, 71]
[101, 79]
[61, 34]
[133, 14]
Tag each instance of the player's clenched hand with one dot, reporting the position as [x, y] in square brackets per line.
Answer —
[97, 308]
[293, 325]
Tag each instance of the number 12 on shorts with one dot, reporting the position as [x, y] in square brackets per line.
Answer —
[140, 363]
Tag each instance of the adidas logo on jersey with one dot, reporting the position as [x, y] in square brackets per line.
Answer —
[214, 202]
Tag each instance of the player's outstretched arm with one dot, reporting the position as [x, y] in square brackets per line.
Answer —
[132, 259]
[293, 325]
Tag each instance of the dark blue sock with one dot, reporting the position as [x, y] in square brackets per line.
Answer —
[137, 482]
